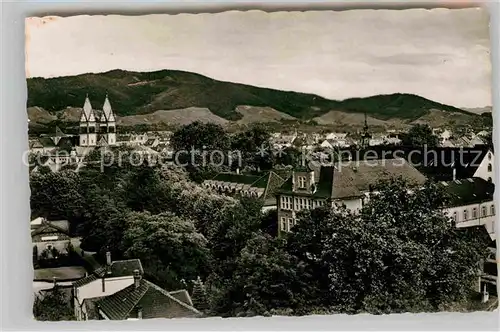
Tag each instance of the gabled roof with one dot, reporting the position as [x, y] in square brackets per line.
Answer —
[59, 132]
[357, 177]
[102, 141]
[47, 142]
[59, 226]
[352, 179]
[153, 301]
[116, 269]
[469, 191]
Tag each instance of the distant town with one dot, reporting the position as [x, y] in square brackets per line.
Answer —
[150, 237]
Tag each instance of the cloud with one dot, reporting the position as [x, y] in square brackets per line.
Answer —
[334, 54]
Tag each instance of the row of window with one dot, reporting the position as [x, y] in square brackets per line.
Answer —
[300, 203]
[92, 129]
[474, 215]
[286, 224]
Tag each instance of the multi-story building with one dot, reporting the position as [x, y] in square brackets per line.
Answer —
[471, 203]
[97, 128]
[261, 186]
[347, 184]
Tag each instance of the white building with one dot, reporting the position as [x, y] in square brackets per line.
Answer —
[97, 130]
[348, 185]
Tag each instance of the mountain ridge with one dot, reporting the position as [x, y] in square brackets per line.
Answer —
[141, 93]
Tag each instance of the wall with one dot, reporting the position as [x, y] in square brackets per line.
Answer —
[488, 219]
[482, 171]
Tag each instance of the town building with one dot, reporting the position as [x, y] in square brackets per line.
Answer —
[471, 203]
[261, 186]
[345, 184]
[97, 128]
[118, 291]
[49, 237]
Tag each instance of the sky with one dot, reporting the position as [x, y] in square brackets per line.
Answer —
[440, 54]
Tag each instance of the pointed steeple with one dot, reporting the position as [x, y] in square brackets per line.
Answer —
[87, 114]
[107, 110]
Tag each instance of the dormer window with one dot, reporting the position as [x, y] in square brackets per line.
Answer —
[302, 182]
[489, 167]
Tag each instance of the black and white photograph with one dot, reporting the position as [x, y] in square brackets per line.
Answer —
[252, 163]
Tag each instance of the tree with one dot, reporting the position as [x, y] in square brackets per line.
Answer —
[52, 307]
[401, 253]
[56, 195]
[420, 135]
[168, 246]
[200, 299]
[201, 136]
[266, 278]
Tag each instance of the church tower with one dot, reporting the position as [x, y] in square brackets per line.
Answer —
[108, 123]
[88, 125]
[365, 136]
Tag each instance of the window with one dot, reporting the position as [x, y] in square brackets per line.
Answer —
[286, 202]
[492, 209]
[474, 213]
[465, 215]
[489, 178]
[111, 129]
[290, 224]
[283, 223]
[302, 182]
[483, 211]
[489, 156]
[455, 216]
[489, 167]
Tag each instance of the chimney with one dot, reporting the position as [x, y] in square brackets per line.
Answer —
[108, 258]
[137, 278]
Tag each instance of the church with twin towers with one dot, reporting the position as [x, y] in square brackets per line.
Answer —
[97, 128]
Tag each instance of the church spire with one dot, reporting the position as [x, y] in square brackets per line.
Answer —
[107, 110]
[365, 136]
[87, 114]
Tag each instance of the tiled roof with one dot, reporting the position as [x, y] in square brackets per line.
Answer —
[117, 269]
[469, 191]
[50, 227]
[357, 177]
[352, 179]
[47, 142]
[236, 178]
[153, 301]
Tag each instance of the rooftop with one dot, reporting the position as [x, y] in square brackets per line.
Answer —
[469, 191]
[153, 301]
[116, 269]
